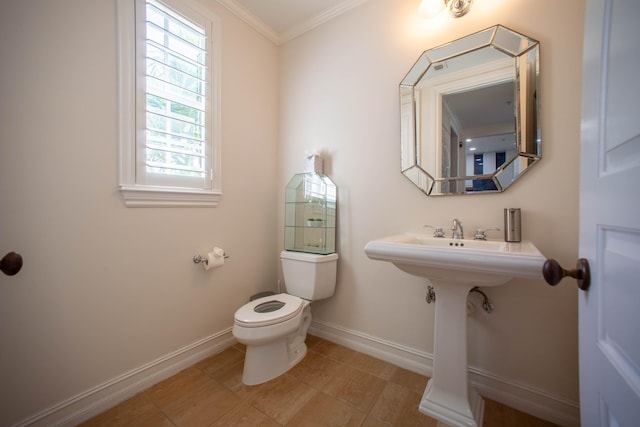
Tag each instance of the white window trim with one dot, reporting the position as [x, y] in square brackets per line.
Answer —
[134, 194]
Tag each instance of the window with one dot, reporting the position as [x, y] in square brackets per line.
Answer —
[169, 104]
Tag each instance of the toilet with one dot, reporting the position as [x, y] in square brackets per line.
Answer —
[274, 327]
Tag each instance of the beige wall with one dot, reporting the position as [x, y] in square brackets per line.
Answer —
[339, 96]
[106, 289]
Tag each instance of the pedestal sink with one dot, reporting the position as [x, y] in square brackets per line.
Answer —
[454, 266]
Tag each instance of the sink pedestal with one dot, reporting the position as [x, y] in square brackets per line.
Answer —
[448, 396]
[454, 266]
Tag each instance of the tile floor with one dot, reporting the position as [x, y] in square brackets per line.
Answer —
[331, 386]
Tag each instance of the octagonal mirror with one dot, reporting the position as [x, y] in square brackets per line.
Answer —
[470, 114]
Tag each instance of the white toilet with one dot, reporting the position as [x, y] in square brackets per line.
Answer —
[274, 327]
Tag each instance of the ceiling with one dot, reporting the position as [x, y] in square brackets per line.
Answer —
[283, 20]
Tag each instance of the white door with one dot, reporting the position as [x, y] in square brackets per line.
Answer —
[610, 215]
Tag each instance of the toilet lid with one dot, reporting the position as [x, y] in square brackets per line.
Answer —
[268, 310]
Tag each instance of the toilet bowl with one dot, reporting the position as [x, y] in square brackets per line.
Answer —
[274, 327]
[275, 339]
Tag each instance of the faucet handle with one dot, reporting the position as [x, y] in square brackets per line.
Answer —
[437, 231]
[481, 233]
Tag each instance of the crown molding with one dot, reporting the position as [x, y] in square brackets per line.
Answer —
[279, 38]
[256, 23]
[318, 19]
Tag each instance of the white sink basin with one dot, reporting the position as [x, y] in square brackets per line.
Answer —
[454, 267]
[485, 263]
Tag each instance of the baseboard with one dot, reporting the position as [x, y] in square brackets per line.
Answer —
[524, 398]
[541, 404]
[92, 402]
[104, 396]
[405, 357]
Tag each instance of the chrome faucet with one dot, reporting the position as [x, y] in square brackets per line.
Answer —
[456, 226]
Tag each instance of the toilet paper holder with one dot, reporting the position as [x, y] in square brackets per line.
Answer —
[199, 258]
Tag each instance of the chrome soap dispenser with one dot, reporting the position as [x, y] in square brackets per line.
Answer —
[512, 225]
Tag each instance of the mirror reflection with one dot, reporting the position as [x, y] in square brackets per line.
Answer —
[469, 114]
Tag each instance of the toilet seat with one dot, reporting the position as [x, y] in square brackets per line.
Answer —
[269, 310]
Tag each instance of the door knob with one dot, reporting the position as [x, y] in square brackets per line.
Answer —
[11, 263]
[553, 273]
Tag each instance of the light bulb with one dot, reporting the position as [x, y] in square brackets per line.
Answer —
[430, 8]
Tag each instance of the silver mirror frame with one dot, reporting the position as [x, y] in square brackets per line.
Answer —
[522, 56]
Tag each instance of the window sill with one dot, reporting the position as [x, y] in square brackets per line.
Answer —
[148, 197]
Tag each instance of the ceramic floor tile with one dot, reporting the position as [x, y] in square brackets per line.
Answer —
[411, 380]
[311, 341]
[355, 387]
[231, 378]
[241, 347]
[373, 366]
[398, 405]
[175, 388]
[244, 415]
[325, 411]
[498, 415]
[220, 362]
[202, 406]
[280, 398]
[335, 351]
[157, 419]
[331, 386]
[138, 411]
[315, 369]
[374, 422]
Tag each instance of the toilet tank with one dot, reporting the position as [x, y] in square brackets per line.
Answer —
[309, 276]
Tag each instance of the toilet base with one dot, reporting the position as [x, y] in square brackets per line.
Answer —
[267, 361]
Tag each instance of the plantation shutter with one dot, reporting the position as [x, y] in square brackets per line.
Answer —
[173, 108]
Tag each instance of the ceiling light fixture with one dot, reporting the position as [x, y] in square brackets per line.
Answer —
[431, 8]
